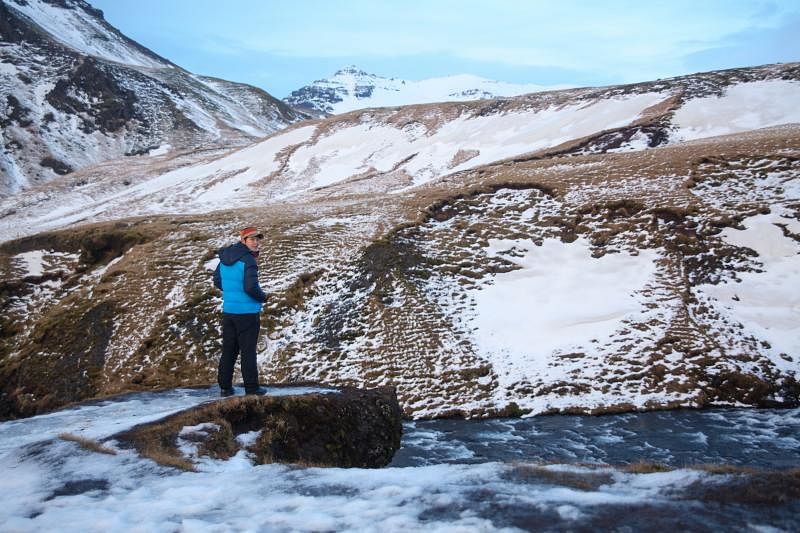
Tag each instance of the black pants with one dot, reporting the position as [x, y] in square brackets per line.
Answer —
[239, 334]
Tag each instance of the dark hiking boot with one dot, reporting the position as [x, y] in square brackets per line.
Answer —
[260, 391]
[226, 392]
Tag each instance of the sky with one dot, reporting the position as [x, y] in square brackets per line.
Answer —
[281, 46]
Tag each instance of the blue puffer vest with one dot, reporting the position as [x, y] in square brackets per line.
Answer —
[237, 277]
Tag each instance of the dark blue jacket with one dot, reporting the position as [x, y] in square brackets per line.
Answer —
[237, 277]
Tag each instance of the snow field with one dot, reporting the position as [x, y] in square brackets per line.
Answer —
[560, 300]
[350, 151]
[743, 107]
[766, 303]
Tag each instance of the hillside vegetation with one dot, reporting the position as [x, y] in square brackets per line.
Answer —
[592, 250]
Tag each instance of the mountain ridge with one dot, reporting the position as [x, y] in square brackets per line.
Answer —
[102, 40]
[78, 92]
[351, 88]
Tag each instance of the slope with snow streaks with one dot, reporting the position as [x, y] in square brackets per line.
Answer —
[425, 154]
[81, 27]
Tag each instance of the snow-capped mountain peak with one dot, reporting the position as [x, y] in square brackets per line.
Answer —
[352, 88]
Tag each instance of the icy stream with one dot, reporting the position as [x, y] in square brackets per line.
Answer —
[742, 437]
[545, 474]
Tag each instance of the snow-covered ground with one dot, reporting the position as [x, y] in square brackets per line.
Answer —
[561, 300]
[451, 479]
[426, 155]
[766, 303]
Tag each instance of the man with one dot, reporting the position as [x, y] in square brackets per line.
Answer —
[242, 297]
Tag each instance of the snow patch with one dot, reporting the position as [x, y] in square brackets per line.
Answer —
[561, 300]
[248, 439]
[38, 262]
[743, 107]
[766, 303]
[161, 150]
[32, 262]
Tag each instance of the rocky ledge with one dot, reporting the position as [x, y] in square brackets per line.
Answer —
[336, 427]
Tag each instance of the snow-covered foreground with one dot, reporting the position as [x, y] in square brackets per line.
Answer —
[449, 476]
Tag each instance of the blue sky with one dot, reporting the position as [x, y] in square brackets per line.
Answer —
[282, 45]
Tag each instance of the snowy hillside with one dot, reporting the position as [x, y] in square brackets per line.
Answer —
[591, 250]
[76, 92]
[351, 88]
[394, 150]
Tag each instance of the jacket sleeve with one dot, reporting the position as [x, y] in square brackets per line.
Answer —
[251, 286]
[217, 277]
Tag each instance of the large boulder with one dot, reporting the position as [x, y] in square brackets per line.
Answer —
[342, 427]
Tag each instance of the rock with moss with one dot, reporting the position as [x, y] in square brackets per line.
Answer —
[343, 427]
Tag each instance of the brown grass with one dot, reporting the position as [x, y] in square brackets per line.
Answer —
[725, 469]
[87, 444]
[586, 481]
[165, 458]
[645, 467]
[758, 488]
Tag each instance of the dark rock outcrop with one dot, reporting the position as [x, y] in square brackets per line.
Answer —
[103, 103]
[345, 427]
